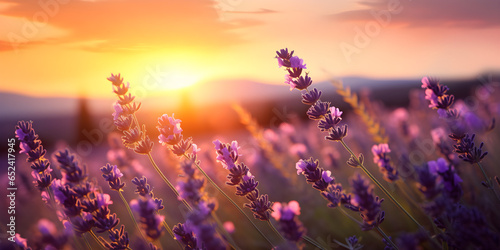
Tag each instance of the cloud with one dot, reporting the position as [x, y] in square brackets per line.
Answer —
[129, 25]
[430, 13]
[260, 11]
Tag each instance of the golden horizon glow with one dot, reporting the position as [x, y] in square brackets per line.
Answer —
[170, 45]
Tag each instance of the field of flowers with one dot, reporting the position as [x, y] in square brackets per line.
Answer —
[370, 177]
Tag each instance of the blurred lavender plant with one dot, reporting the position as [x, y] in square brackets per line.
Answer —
[289, 224]
[381, 158]
[439, 99]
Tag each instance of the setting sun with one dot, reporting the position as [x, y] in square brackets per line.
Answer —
[178, 79]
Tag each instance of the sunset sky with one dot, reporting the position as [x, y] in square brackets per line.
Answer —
[69, 47]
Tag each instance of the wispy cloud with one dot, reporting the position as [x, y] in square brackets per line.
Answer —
[127, 24]
[430, 13]
[259, 11]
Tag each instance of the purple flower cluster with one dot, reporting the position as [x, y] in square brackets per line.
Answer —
[199, 221]
[447, 177]
[329, 117]
[466, 228]
[144, 189]
[198, 232]
[367, 203]
[381, 158]
[83, 206]
[112, 175]
[185, 236]
[439, 99]
[191, 185]
[437, 94]
[467, 151]
[119, 239]
[440, 184]
[240, 176]
[31, 145]
[323, 181]
[289, 223]
[134, 137]
[171, 134]
[150, 221]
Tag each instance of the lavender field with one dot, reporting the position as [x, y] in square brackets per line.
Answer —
[411, 177]
[233, 124]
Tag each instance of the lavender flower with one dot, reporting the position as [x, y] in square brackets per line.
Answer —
[314, 174]
[21, 242]
[144, 146]
[170, 130]
[352, 243]
[112, 175]
[337, 196]
[323, 182]
[104, 220]
[150, 221]
[240, 176]
[302, 82]
[32, 146]
[72, 172]
[284, 58]
[437, 94]
[119, 239]
[318, 110]
[191, 186]
[426, 182]
[203, 228]
[82, 224]
[466, 228]
[227, 154]
[448, 178]
[185, 236]
[369, 205]
[331, 119]
[468, 152]
[49, 237]
[311, 97]
[145, 190]
[381, 158]
[287, 217]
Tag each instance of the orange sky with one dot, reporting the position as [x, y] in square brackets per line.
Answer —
[69, 47]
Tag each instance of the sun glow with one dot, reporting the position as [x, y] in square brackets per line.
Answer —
[173, 80]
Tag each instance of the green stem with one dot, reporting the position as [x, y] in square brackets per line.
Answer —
[275, 230]
[228, 237]
[169, 230]
[490, 184]
[387, 192]
[313, 242]
[386, 237]
[132, 215]
[167, 181]
[96, 239]
[379, 184]
[87, 242]
[229, 199]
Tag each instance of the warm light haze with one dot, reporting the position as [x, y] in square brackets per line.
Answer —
[68, 47]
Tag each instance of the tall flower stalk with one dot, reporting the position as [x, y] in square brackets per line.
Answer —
[328, 117]
[439, 99]
[112, 175]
